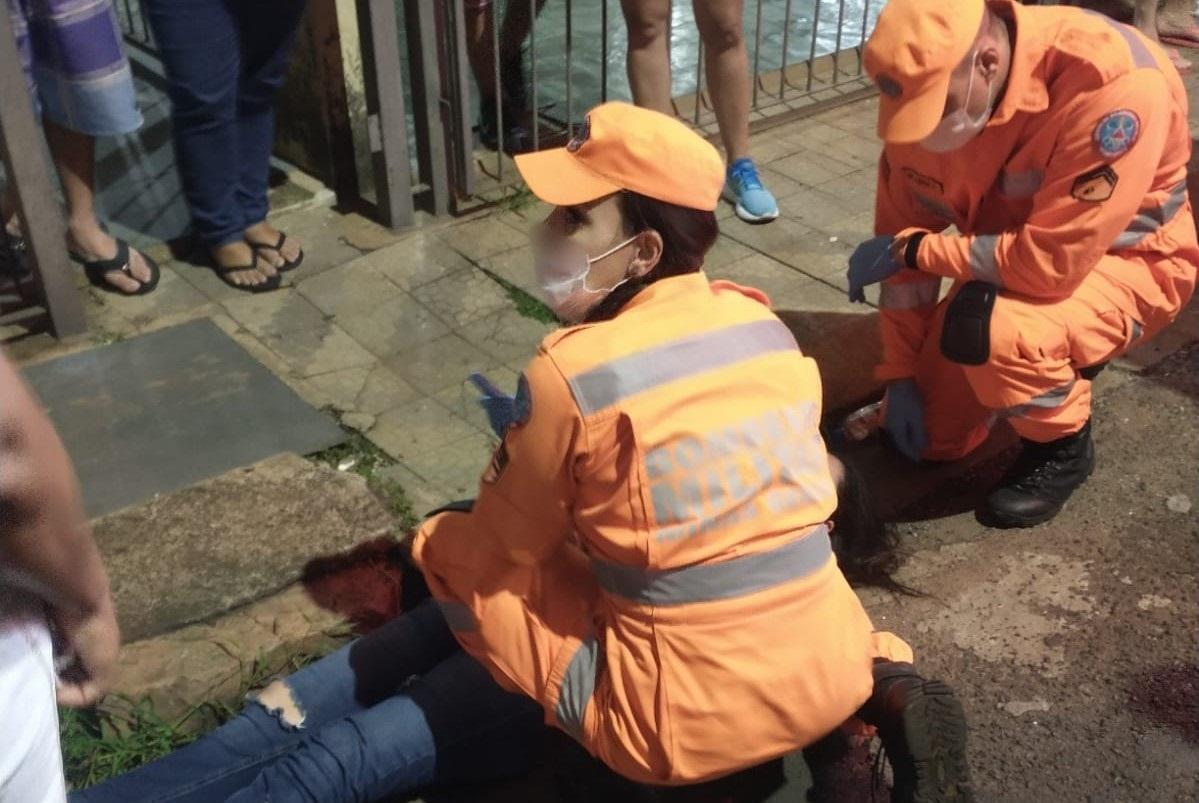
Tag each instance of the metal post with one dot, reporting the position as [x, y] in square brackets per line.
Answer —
[424, 61]
[758, 54]
[812, 50]
[862, 41]
[837, 47]
[499, 94]
[41, 219]
[459, 96]
[570, 105]
[786, 48]
[604, 51]
[383, 73]
[533, 73]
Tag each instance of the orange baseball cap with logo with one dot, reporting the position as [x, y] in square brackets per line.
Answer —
[623, 147]
[915, 47]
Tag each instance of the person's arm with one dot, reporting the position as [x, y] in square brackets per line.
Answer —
[907, 299]
[1089, 196]
[45, 541]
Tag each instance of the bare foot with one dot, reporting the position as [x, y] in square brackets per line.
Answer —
[91, 243]
[253, 271]
[265, 236]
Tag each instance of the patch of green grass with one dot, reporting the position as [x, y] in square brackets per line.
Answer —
[104, 337]
[123, 734]
[529, 307]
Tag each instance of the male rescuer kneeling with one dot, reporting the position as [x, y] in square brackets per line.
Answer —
[1056, 142]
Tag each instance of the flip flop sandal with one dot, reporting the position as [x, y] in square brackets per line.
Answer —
[277, 248]
[97, 271]
[1189, 39]
[222, 272]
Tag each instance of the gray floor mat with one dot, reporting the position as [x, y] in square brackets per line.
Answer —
[159, 412]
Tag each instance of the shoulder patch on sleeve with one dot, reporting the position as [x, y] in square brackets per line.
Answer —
[1116, 133]
[1095, 186]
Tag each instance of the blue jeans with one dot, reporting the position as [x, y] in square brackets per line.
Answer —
[399, 709]
[225, 60]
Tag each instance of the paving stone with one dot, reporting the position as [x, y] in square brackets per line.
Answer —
[463, 297]
[394, 326]
[338, 390]
[383, 390]
[349, 291]
[424, 496]
[772, 238]
[462, 399]
[211, 662]
[812, 168]
[282, 311]
[817, 208]
[418, 259]
[418, 427]
[173, 296]
[482, 238]
[812, 253]
[772, 277]
[726, 251]
[435, 365]
[507, 335]
[363, 233]
[780, 185]
[318, 350]
[456, 466]
[774, 144]
[527, 217]
[362, 422]
[317, 230]
[190, 555]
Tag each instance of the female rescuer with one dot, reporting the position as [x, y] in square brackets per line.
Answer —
[648, 556]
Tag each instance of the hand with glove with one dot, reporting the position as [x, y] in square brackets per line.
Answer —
[500, 408]
[870, 263]
[904, 419]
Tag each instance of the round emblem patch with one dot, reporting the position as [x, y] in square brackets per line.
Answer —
[522, 405]
[1116, 133]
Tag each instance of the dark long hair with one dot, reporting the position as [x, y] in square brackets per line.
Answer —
[687, 235]
[867, 548]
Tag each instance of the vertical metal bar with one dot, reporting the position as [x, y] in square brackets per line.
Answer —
[862, 41]
[533, 73]
[699, 78]
[499, 95]
[812, 50]
[837, 48]
[604, 51]
[459, 95]
[786, 49]
[757, 55]
[383, 71]
[424, 62]
[570, 105]
[41, 220]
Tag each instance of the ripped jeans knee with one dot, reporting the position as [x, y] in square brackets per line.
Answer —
[279, 700]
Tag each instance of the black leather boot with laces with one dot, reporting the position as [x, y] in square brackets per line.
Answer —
[1036, 487]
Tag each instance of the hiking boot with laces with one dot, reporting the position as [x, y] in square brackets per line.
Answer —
[743, 187]
[1037, 486]
[923, 730]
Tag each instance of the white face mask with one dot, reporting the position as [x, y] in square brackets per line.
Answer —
[562, 276]
[958, 127]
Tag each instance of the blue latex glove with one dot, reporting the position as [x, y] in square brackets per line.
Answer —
[500, 408]
[904, 421]
[870, 263]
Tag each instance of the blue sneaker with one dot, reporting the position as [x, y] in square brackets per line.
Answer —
[743, 187]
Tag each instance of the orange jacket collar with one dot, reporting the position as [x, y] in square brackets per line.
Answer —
[1026, 90]
[672, 287]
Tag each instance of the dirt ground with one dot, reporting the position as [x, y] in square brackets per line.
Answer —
[1073, 645]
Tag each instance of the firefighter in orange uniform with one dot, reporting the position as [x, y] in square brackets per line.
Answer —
[1056, 141]
[648, 556]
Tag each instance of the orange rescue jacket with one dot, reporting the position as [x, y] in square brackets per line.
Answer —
[648, 555]
[1086, 155]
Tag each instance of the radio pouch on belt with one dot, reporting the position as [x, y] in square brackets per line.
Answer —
[966, 335]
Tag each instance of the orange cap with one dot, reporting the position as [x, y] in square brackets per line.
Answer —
[911, 56]
[622, 147]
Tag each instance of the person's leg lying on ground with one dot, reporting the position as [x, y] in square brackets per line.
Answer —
[450, 726]
[268, 32]
[726, 62]
[648, 23]
[201, 50]
[306, 714]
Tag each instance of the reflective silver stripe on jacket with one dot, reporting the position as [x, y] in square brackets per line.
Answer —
[1048, 400]
[706, 582]
[458, 615]
[1141, 56]
[608, 384]
[578, 685]
[1148, 221]
[909, 295]
[982, 259]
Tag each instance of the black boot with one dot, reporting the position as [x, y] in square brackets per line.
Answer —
[1037, 486]
[923, 731]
